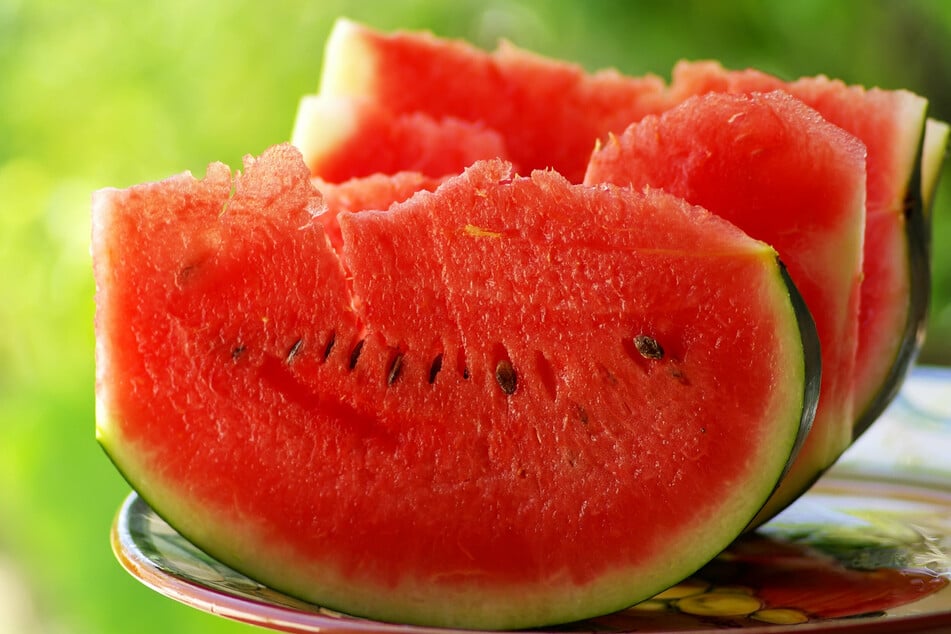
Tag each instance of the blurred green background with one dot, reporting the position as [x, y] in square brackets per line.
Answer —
[102, 93]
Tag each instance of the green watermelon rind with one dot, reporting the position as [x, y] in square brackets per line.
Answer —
[937, 136]
[917, 254]
[812, 357]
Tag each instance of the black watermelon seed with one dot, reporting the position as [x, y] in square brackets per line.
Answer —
[648, 347]
[461, 364]
[330, 344]
[505, 376]
[435, 368]
[355, 354]
[396, 367]
[237, 352]
[293, 351]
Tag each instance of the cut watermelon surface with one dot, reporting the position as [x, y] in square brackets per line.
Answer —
[896, 286]
[509, 402]
[525, 98]
[335, 134]
[782, 173]
[550, 113]
[377, 191]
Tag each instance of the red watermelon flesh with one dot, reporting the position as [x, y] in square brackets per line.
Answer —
[895, 291]
[623, 378]
[377, 191]
[549, 112]
[349, 137]
[524, 97]
[779, 171]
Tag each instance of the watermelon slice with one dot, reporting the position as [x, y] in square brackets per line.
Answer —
[549, 112]
[377, 191]
[897, 283]
[510, 402]
[524, 97]
[349, 137]
[779, 171]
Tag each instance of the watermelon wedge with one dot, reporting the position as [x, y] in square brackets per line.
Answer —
[895, 291]
[351, 137]
[782, 173]
[509, 402]
[376, 191]
[549, 112]
[417, 72]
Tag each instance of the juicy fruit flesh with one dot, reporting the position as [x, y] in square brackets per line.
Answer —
[377, 191]
[252, 399]
[413, 72]
[894, 297]
[348, 137]
[803, 191]
[372, 388]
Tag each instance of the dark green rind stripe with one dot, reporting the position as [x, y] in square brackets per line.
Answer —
[812, 360]
[812, 380]
[918, 244]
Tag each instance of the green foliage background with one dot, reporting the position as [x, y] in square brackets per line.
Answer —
[110, 93]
